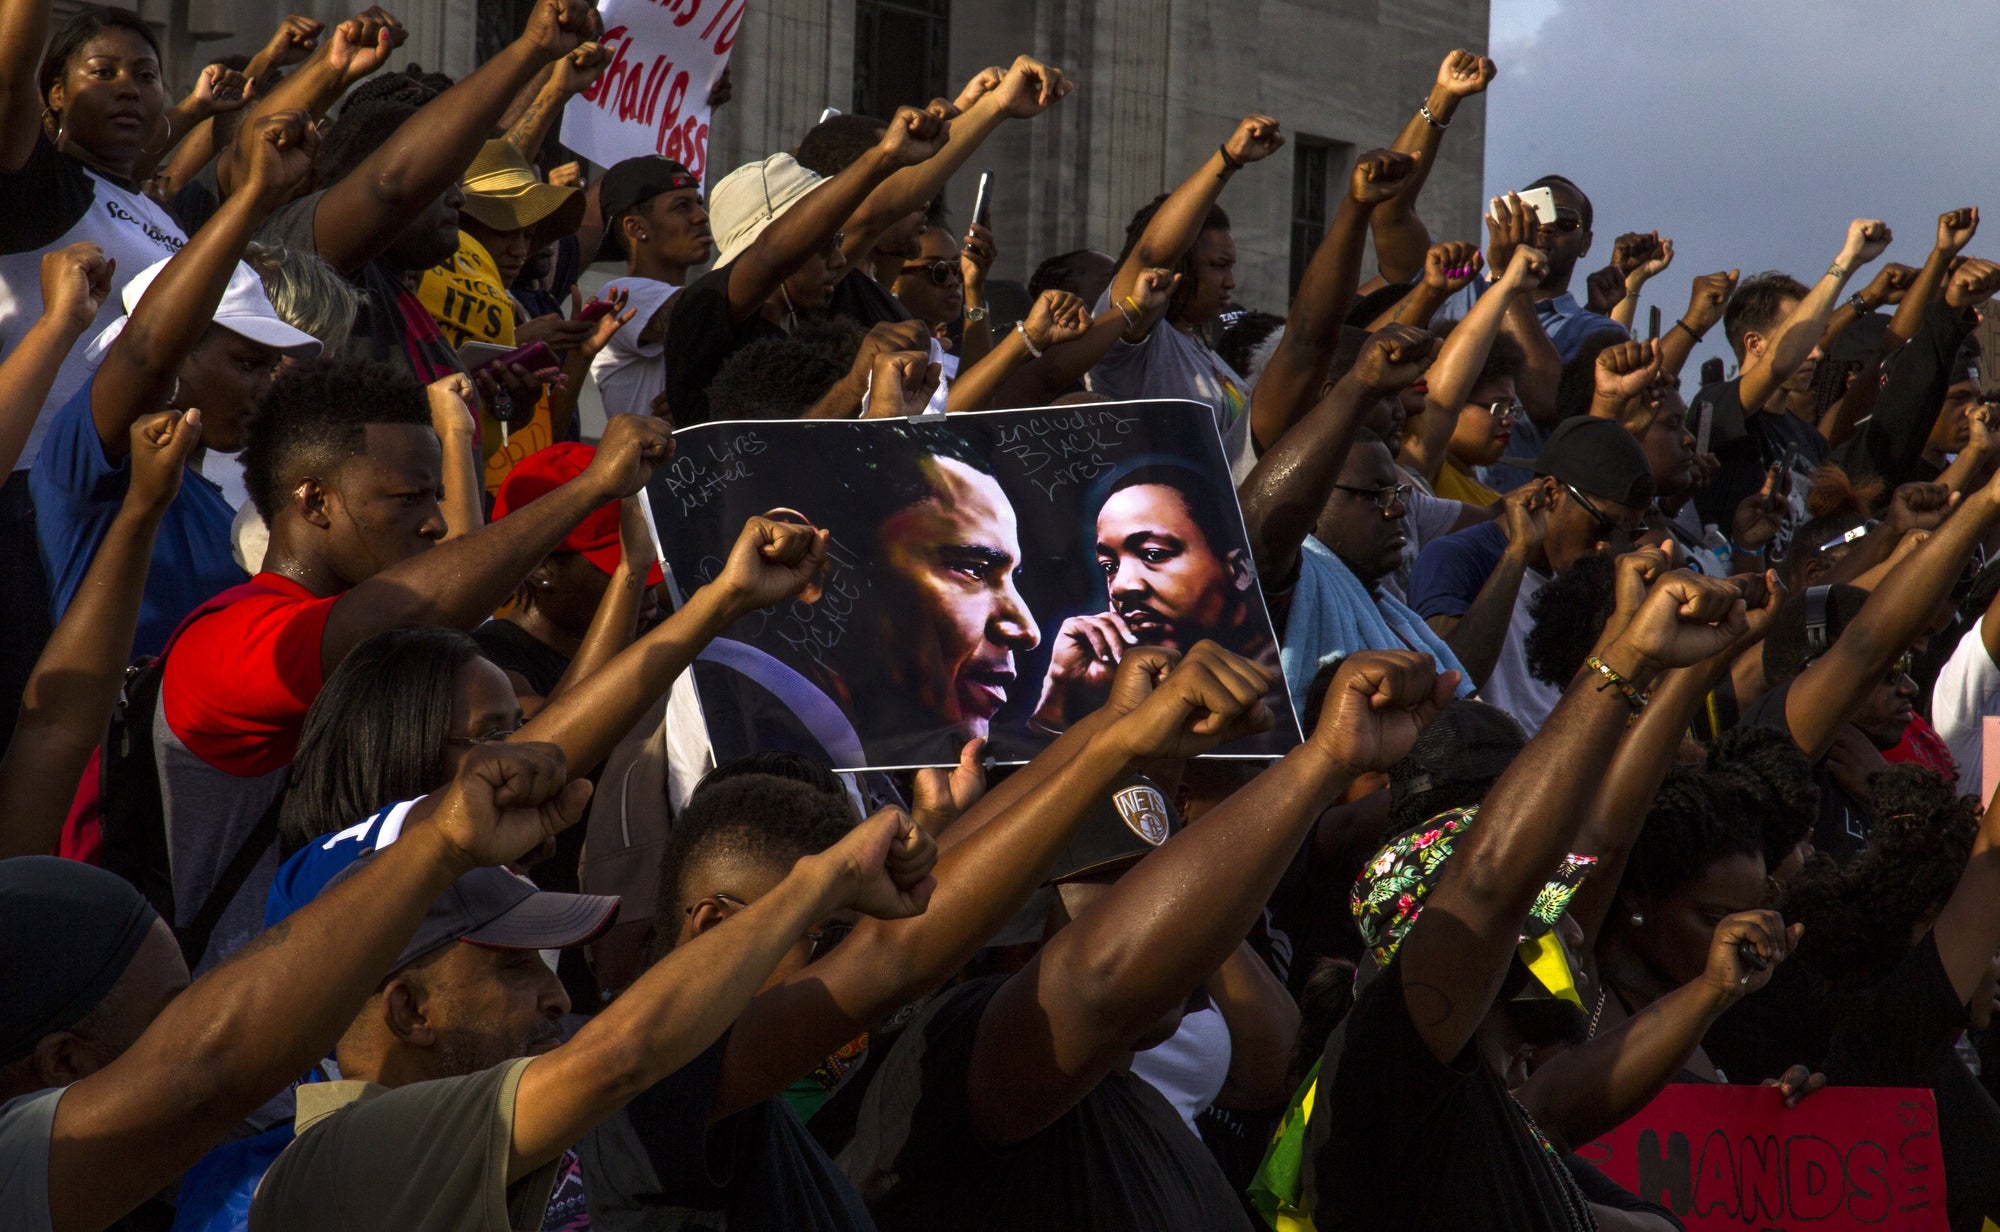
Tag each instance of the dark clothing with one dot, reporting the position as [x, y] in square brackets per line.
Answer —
[656, 1164]
[24, 597]
[392, 325]
[1121, 1158]
[701, 336]
[1748, 445]
[1399, 1139]
[1782, 1024]
[862, 300]
[196, 203]
[1844, 822]
[1891, 442]
[515, 649]
[1901, 1033]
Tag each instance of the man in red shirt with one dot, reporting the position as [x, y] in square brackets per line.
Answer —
[344, 467]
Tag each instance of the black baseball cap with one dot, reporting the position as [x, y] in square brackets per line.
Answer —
[1597, 457]
[1468, 746]
[634, 181]
[1132, 820]
[503, 911]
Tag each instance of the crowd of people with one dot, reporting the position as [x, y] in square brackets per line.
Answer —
[361, 865]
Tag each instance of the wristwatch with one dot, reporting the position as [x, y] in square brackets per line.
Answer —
[975, 314]
[1861, 306]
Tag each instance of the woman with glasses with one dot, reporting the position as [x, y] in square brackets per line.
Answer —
[1471, 405]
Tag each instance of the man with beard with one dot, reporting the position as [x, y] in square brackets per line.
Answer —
[1175, 574]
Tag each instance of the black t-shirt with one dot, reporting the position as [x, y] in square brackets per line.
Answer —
[1843, 826]
[862, 300]
[1122, 1158]
[1901, 1033]
[653, 1167]
[1399, 1139]
[701, 337]
[517, 650]
[1747, 445]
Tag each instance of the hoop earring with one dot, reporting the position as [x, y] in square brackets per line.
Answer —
[50, 113]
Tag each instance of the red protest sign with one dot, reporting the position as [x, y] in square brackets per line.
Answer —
[1731, 1159]
[653, 97]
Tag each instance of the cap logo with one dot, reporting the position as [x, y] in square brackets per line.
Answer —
[1144, 810]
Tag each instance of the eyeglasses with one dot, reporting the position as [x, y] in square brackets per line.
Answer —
[1606, 528]
[492, 737]
[1901, 667]
[1504, 412]
[1384, 498]
[941, 271]
[823, 939]
[834, 245]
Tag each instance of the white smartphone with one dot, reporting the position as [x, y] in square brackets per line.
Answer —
[828, 114]
[982, 204]
[1543, 202]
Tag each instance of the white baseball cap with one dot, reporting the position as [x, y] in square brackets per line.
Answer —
[245, 309]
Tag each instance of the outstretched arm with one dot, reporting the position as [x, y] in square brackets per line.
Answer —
[1177, 224]
[460, 583]
[75, 283]
[1589, 1090]
[70, 694]
[565, 79]
[1291, 379]
[1826, 693]
[1706, 303]
[1477, 634]
[365, 211]
[1027, 89]
[810, 226]
[1044, 380]
[1053, 1030]
[357, 47]
[1465, 349]
[1795, 339]
[143, 367]
[1284, 494]
[243, 1031]
[1056, 318]
[1455, 956]
[1400, 236]
[999, 852]
[24, 32]
[691, 996]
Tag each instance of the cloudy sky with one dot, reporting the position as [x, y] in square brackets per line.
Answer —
[1750, 131]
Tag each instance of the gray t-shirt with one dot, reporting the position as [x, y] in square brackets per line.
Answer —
[26, 1125]
[1170, 364]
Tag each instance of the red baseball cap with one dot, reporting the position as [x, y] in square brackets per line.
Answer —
[543, 471]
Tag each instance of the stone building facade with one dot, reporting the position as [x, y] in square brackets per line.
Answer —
[1161, 83]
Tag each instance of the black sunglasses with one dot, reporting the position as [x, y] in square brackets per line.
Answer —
[939, 270]
[1606, 528]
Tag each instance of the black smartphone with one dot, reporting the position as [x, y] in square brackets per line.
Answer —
[982, 203]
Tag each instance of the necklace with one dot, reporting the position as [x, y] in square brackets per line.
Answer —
[1603, 990]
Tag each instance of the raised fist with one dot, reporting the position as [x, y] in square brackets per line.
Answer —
[1380, 175]
[1463, 74]
[1255, 139]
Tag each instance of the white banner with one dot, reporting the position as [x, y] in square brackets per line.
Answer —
[666, 56]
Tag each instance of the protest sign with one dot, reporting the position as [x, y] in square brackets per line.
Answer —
[986, 572]
[1735, 1159]
[653, 97]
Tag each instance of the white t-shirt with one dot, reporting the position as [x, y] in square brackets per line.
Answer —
[54, 201]
[1511, 686]
[1170, 364]
[1191, 1066]
[629, 373]
[1968, 690]
[26, 1126]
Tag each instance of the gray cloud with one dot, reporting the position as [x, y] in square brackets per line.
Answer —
[1751, 131]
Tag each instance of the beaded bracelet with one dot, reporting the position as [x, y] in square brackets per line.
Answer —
[1612, 680]
[1033, 350]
